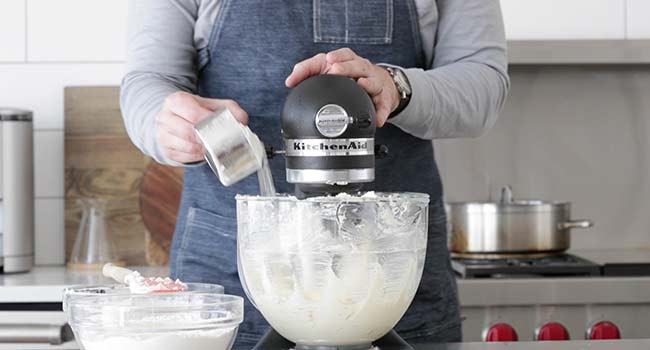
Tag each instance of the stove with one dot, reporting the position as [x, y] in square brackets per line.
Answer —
[530, 266]
[583, 295]
[526, 267]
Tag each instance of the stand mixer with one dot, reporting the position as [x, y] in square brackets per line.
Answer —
[328, 268]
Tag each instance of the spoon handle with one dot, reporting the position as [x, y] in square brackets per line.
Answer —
[115, 272]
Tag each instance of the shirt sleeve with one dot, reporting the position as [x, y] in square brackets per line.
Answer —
[161, 60]
[463, 92]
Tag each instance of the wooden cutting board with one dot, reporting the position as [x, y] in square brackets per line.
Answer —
[101, 162]
[160, 196]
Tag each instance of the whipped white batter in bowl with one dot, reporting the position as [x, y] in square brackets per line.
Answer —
[163, 321]
[334, 271]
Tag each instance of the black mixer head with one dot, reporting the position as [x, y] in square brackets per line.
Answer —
[328, 126]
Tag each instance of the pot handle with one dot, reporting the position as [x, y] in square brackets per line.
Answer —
[575, 224]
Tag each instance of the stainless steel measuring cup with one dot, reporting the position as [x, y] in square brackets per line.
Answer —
[232, 150]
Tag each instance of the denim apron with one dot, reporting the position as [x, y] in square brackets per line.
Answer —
[252, 49]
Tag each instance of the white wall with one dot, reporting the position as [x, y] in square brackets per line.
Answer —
[46, 45]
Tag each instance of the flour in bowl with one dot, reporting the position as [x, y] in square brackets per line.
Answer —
[214, 339]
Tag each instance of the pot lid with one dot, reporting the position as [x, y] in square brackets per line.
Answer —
[530, 206]
[508, 203]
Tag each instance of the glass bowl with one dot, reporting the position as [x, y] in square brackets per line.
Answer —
[161, 321]
[332, 271]
[116, 289]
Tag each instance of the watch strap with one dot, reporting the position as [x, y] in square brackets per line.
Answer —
[402, 105]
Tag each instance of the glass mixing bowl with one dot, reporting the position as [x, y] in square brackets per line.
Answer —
[332, 271]
[113, 289]
[161, 321]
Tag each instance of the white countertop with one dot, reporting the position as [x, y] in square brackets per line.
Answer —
[46, 284]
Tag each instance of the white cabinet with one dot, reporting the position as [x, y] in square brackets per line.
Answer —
[638, 19]
[565, 19]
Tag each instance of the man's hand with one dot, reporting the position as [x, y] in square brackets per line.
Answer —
[175, 124]
[372, 78]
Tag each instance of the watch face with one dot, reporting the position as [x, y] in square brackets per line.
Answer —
[402, 81]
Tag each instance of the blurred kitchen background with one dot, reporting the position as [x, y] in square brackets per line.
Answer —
[576, 126]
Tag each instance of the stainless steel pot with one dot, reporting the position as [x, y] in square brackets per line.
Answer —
[511, 227]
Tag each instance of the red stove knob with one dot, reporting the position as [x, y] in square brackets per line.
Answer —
[552, 331]
[603, 330]
[500, 332]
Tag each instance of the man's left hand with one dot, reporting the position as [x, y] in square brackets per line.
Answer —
[372, 78]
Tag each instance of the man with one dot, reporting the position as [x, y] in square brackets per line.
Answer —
[187, 58]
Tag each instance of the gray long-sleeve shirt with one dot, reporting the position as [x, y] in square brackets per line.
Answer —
[459, 95]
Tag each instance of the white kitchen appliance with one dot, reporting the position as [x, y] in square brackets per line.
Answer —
[16, 191]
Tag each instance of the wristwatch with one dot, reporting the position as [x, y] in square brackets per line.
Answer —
[403, 87]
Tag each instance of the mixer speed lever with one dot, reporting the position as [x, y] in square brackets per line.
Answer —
[271, 152]
[362, 122]
[381, 151]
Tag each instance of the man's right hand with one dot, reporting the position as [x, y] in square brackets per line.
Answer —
[175, 124]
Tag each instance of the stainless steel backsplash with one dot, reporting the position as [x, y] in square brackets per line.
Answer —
[579, 134]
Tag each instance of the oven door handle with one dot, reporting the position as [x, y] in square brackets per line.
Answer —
[35, 333]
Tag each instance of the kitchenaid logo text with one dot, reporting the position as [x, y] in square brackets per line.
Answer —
[328, 147]
[301, 146]
[336, 120]
[332, 120]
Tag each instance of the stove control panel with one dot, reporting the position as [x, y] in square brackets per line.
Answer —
[500, 332]
[603, 330]
[551, 331]
[558, 321]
